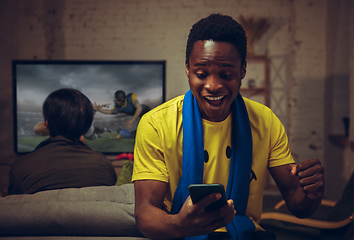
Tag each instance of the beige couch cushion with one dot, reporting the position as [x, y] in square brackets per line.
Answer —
[89, 211]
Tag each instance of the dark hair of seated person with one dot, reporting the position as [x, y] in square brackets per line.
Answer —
[68, 113]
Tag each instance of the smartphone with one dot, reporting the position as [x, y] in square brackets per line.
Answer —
[199, 191]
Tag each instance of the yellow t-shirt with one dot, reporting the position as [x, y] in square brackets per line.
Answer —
[217, 151]
[159, 149]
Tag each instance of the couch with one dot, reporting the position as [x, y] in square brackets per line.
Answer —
[103, 212]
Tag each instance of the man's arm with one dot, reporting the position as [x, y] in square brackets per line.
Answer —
[137, 112]
[98, 108]
[153, 222]
[301, 186]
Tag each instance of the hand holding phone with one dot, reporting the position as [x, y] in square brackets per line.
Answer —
[199, 191]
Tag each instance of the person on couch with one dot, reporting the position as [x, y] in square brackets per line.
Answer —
[212, 134]
[63, 160]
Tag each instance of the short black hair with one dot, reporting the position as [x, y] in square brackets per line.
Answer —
[69, 113]
[218, 27]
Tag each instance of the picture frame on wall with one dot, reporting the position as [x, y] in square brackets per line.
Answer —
[34, 80]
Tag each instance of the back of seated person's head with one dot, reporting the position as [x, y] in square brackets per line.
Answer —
[68, 113]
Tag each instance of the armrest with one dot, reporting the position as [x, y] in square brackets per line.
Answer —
[324, 202]
[310, 222]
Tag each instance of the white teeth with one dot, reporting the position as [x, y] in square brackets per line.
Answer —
[214, 98]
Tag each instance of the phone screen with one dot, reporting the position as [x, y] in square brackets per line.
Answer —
[199, 191]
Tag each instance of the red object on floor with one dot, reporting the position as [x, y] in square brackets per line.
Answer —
[128, 156]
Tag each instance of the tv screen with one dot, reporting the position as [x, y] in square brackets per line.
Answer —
[99, 80]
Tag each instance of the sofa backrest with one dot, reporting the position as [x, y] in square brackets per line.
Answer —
[88, 211]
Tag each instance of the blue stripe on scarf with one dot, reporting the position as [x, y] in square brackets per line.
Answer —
[242, 227]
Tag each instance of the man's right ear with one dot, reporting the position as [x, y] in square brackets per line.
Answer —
[187, 68]
[46, 124]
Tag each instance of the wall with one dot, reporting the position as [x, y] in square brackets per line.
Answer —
[308, 74]
[337, 93]
[297, 43]
[349, 151]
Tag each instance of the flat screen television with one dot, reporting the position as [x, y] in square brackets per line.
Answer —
[99, 80]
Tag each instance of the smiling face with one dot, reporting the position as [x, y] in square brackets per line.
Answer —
[215, 73]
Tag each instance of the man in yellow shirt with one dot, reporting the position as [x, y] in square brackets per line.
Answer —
[213, 135]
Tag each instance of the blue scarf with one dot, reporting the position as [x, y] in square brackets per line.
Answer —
[242, 227]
